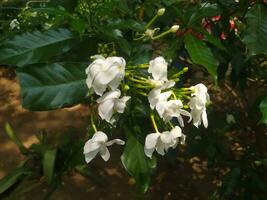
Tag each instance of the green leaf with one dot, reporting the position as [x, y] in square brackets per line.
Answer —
[52, 86]
[11, 134]
[263, 109]
[35, 47]
[255, 36]
[49, 164]
[208, 10]
[136, 163]
[201, 54]
[125, 24]
[11, 179]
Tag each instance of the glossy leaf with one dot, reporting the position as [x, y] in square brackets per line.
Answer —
[49, 164]
[255, 36]
[29, 48]
[136, 163]
[201, 54]
[263, 109]
[52, 86]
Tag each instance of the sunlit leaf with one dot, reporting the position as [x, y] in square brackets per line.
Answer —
[201, 54]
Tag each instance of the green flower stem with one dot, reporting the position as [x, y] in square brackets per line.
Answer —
[154, 122]
[174, 96]
[171, 125]
[140, 38]
[142, 93]
[151, 22]
[92, 123]
[177, 75]
[161, 35]
[142, 66]
[142, 86]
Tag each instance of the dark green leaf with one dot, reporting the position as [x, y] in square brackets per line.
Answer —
[263, 109]
[208, 10]
[125, 24]
[49, 164]
[11, 179]
[35, 47]
[201, 54]
[136, 163]
[52, 86]
[255, 36]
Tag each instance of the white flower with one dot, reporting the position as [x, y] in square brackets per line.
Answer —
[198, 104]
[158, 68]
[14, 24]
[98, 144]
[110, 103]
[102, 73]
[155, 96]
[172, 108]
[161, 142]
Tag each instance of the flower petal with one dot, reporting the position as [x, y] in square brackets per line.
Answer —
[158, 68]
[149, 152]
[160, 148]
[109, 95]
[105, 109]
[120, 104]
[104, 153]
[99, 88]
[176, 132]
[90, 156]
[205, 118]
[100, 136]
[151, 140]
[114, 84]
[90, 146]
[116, 141]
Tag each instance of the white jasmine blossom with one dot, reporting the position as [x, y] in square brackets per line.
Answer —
[155, 96]
[14, 24]
[110, 103]
[98, 144]
[158, 69]
[172, 108]
[198, 104]
[103, 73]
[161, 142]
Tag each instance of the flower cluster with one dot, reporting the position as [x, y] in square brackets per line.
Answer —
[105, 77]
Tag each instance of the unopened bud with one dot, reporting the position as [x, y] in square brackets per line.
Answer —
[185, 69]
[174, 28]
[126, 87]
[161, 12]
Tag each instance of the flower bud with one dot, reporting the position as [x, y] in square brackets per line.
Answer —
[161, 12]
[126, 87]
[185, 69]
[174, 28]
